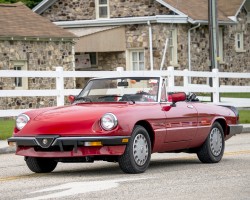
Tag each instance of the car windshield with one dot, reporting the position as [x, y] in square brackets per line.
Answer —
[136, 89]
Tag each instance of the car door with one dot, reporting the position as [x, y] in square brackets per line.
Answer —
[181, 122]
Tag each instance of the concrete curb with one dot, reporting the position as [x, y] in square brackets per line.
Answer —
[5, 149]
[246, 129]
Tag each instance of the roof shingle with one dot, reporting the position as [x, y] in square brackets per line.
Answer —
[17, 20]
[198, 9]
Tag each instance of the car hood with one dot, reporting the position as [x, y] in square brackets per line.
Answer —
[77, 112]
[80, 119]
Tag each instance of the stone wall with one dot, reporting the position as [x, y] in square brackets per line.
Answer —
[67, 10]
[39, 56]
[135, 8]
[237, 61]
[137, 36]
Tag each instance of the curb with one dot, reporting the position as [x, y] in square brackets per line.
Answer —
[246, 130]
[8, 149]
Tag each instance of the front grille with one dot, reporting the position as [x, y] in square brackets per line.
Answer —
[53, 149]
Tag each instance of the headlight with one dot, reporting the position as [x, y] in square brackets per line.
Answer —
[21, 121]
[108, 121]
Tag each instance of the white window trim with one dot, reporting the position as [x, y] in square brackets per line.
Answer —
[23, 65]
[221, 44]
[248, 17]
[241, 40]
[129, 65]
[173, 60]
[97, 6]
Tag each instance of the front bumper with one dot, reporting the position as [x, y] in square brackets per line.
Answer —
[56, 146]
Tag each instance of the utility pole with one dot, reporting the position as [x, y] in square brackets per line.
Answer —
[213, 37]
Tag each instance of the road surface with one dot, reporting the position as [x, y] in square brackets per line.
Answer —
[170, 176]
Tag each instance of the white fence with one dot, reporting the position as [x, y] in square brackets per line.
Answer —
[60, 92]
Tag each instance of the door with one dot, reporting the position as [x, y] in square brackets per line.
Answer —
[181, 125]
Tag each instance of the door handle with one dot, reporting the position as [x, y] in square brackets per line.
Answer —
[190, 106]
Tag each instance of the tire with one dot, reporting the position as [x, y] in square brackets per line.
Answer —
[136, 157]
[212, 149]
[40, 165]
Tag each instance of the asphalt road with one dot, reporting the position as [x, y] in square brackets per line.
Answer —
[170, 176]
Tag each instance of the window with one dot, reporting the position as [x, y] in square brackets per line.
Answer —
[137, 60]
[85, 60]
[239, 47]
[102, 9]
[221, 41]
[173, 47]
[248, 17]
[20, 82]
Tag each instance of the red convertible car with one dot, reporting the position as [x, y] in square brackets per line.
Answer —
[123, 120]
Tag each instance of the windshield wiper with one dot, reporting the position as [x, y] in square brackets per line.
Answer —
[107, 96]
[85, 99]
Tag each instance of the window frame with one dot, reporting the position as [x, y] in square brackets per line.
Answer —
[23, 65]
[221, 45]
[98, 6]
[239, 42]
[130, 56]
[173, 55]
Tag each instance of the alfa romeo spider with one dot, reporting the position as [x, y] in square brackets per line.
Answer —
[124, 120]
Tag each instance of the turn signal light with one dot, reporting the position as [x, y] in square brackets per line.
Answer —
[12, 144]
[92, 144]
[125, 140]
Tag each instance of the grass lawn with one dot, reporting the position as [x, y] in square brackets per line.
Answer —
[6, 126]
[244, 116]
[229, 95]
[236, 95]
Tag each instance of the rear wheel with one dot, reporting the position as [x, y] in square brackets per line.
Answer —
[136, 157]
[41, 165]
[213, 148]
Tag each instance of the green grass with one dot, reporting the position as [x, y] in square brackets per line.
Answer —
[229, 95]
[235, 95]
[244, 116]
[6, 126]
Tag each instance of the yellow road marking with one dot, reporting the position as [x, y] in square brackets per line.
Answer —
[12, 178]
[237, 152]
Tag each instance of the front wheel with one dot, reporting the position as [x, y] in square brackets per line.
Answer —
[40, 165]
[212, 149]
[136, 157]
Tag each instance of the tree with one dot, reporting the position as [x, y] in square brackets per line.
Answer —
[29, 3]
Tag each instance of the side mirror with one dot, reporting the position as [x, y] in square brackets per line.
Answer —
[179, 96]
[71, 98]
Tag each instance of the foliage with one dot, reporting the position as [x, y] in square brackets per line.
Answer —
[29, 3]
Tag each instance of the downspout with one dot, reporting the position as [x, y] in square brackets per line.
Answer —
[189, 46]
[164, 53]
[150, 46]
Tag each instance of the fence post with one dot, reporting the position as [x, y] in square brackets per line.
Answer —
[60, 86]
[170, 79]
[186, 78]
[216, 85]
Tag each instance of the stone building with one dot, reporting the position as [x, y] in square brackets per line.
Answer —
[132, 33]
[31, 42]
